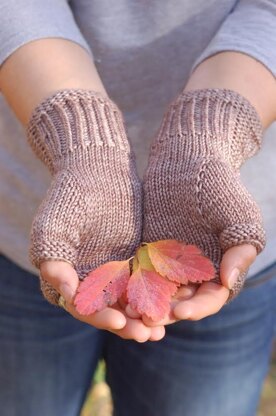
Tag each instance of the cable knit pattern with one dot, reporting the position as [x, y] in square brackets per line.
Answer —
[92, 211]
[192, 187]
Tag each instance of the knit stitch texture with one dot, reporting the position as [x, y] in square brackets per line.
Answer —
[92, 211]
[192, 187]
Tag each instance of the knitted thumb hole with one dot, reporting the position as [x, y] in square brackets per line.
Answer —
[227, 207]
[49, 292]
[238, 234]
[58, 222]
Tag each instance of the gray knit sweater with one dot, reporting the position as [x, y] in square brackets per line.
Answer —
[144, 52]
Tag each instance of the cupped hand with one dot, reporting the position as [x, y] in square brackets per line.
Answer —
[63, 278]
[193, 191]
[92, 212]
[195, 302]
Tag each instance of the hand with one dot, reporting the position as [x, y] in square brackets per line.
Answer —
[92, 211]
[195, 302]
[63, 278]
[193, 192]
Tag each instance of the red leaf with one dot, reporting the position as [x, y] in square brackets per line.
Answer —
[150, 294]
[102, 287]
[179, 262]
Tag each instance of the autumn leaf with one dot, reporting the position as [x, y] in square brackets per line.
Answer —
[147, 291]
[102, 287]
[142, 259]
[179, 262]
[158, 268]
[150, 294]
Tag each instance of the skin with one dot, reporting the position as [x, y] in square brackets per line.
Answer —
[197, 302]
[39, 69]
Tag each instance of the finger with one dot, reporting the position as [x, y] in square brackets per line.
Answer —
[134, 329]
[132, 313]
[183, 293]
[235, 261]
[209, 299]
[157, 333]
[62, 277]
[167, 320]
[108, 318]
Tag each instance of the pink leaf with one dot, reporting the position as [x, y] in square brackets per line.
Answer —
[150, 294]
[179, 262]
[102, 287]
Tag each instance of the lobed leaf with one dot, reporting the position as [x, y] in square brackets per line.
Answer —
[150, 294]
[179, 262]
[102, 287]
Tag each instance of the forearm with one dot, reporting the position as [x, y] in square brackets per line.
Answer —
[40, 68]
[243, 74]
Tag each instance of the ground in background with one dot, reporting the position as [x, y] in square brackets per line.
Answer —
[99, 403]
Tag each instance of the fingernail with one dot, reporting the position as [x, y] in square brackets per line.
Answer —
[233, 277]
[67, 292]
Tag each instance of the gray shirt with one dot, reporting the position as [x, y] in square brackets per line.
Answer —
[144, 52]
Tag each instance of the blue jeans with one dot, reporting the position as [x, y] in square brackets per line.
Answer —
[212, 367]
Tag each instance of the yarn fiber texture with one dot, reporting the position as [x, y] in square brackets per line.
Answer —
[92, 211]
[192, 187]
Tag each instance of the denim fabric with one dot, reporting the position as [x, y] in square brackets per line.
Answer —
[207, 368]
[212, 367]
[47, 358]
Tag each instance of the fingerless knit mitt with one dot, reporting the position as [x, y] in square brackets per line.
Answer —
[192, 187]
[92, 211]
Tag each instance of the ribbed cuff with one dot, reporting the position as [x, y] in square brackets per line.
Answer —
[215, 121]
[211, 108]
[71, 120]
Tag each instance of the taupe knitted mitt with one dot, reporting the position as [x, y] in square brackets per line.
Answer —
[192, 187]
[92, 211]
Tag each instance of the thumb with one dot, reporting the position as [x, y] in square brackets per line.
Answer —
[235, 262]
[62, 277]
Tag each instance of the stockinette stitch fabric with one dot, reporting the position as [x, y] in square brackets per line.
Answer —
[192, 187]
[92, 211]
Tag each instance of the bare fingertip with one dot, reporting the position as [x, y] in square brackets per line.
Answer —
[120, 323]
[142, 340]
[182, 312]
[158, 333]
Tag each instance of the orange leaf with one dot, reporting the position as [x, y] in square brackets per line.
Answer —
[102, 287]
[142, 259]
[150, 294]
[179, 262]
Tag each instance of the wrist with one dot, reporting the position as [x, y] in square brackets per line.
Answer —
[214, 123]
[65, 126]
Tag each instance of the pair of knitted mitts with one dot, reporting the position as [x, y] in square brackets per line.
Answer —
[92, 212]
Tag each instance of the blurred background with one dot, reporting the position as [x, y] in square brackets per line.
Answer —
[99, 403]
